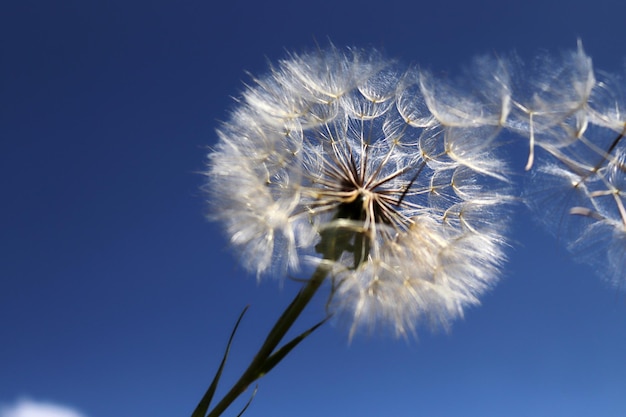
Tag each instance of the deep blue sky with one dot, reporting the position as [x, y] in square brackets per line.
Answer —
[117, 296]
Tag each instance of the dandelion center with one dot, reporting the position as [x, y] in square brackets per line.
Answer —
[361, 189]
[362, 194]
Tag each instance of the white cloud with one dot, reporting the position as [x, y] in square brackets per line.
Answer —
[29, 408]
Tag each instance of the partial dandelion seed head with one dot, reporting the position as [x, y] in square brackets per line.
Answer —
[341, 159]
[579, 185]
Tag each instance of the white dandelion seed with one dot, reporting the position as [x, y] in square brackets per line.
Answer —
[549, 100]
[339, 159]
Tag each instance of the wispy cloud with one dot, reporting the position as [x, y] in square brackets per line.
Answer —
[26, 407]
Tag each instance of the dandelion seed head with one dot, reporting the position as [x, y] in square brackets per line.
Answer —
[341, 159]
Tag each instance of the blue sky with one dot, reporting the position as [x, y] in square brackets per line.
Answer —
[117, 296]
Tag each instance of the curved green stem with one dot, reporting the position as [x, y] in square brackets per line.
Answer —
[256, 368]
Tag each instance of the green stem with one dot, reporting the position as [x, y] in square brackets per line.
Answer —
[282, 326]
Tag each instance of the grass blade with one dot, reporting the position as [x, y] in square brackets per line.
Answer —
[277, 356]
[245, 407]
[205, 402]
